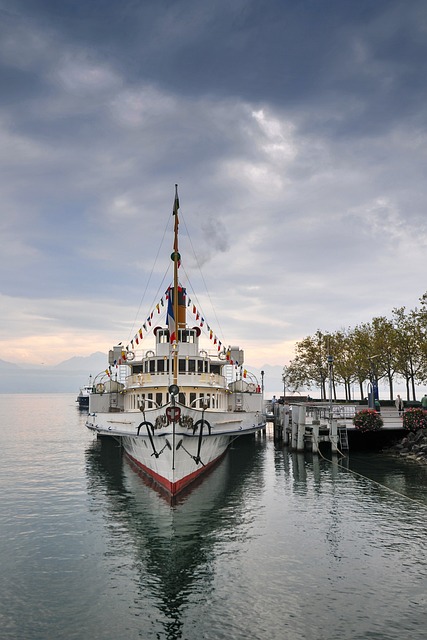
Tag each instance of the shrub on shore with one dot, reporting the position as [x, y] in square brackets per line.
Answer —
[415, 419]
[368, 420]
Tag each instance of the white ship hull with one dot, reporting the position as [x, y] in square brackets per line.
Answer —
[175, 454]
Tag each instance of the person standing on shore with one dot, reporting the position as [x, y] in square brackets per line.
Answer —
[424, 401]
[399, 404]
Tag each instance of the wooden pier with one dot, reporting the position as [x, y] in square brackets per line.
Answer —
[305, 426]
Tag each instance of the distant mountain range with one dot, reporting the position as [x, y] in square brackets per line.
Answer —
[65, 377]
[68, 376]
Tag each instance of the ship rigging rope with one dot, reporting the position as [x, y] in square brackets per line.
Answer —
[360, 475]
[152, 307]
[188, 282]
[149, 280]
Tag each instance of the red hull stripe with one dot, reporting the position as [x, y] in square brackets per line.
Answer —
[175, 487]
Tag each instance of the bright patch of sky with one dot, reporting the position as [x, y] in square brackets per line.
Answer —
[296, 133]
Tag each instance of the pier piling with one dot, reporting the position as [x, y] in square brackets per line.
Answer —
[303, 426]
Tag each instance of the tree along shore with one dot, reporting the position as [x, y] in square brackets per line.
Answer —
[384, 349]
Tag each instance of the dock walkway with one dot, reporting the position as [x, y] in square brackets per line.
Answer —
[305, 425]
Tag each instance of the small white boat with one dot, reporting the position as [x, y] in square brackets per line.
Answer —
[84, 393]
[178, 406]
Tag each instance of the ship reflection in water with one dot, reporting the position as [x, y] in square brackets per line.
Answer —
[267, 532]
[174, 545]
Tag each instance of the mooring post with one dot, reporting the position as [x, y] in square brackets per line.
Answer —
[333, 435]
[277, 421]
[286, 425]
[301, 427]
[294, 426]
[315, 437]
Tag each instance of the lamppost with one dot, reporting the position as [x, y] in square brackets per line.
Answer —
[330, 360]
[373, 396]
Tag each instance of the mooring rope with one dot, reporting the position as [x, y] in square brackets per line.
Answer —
[360, 475]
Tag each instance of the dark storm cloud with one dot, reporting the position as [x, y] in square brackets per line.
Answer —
[296, 131]
[365, 57]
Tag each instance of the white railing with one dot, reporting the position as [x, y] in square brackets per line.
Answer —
[206, 380]
[339, 411]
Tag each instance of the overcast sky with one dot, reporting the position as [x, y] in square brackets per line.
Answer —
[296, 131]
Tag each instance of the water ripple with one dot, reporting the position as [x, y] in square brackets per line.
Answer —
[272, 545]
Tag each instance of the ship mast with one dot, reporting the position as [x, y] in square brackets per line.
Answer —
[176, 262]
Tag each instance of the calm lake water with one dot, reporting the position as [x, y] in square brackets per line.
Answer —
[270, 546]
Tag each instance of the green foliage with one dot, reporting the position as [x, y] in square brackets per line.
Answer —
[414, 419]
[310, 366]
[368, 420]
[383, 349]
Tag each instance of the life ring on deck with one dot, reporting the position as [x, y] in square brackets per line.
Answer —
[149, 354]
[251, 387]
[100, 387]
[130, 355]
[222, 355]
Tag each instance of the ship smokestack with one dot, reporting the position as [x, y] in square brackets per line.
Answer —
[182, 306]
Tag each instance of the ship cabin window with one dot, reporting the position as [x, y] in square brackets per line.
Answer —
[186, 335]
[216, 368]
[192, 399]
[202, 400]
[159, 399]
[137, 368]
[181, 398]
[163, 336]
[181, 365]
[160, 366]
[152, 366]
[191, 366]
[202, 366]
